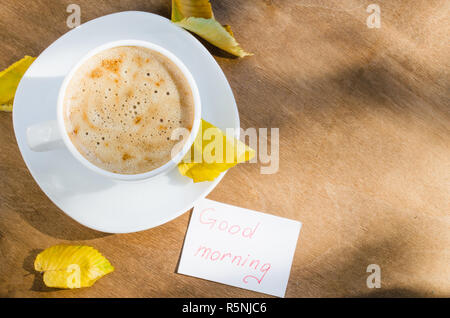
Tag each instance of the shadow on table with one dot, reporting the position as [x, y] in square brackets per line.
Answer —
[38, 282]
[393, 293]
[341, 272]
[53, 222]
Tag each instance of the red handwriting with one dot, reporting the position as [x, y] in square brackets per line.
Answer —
[208, 253]
[265, 268]
[207, 217]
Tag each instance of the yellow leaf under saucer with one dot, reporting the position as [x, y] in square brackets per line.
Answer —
[6, 108]
[191, 8]
[197, 16]
[213, 32]
[213, 153]
[72, 266]
[9, 80]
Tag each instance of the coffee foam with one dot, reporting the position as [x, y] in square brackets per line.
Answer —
[121, 107]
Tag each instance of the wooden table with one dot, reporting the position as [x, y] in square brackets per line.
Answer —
[364, 118]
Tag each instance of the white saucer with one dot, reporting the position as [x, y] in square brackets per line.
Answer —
[92, 200]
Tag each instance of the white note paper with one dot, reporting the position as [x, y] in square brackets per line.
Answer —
[239, 247]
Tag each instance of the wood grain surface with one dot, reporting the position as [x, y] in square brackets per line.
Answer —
[364, 119]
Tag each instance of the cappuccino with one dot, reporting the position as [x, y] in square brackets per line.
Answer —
[121, 106]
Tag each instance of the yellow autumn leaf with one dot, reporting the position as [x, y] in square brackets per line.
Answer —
[197, 16]
[213, 153]
[72, 266]
[9, 80]
[191, 8]
[6, 107]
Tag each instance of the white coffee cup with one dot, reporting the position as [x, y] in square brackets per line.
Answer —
[52, 135]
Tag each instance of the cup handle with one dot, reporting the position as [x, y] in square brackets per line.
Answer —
[44, 136]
